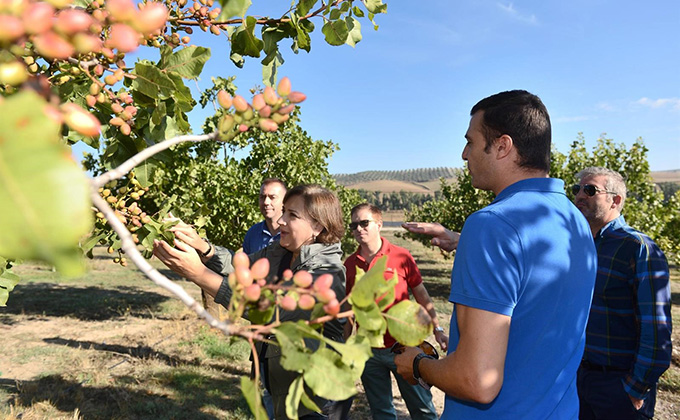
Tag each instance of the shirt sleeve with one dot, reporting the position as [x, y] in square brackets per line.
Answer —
[351, 269]
[412, 273]
[653, 355]
[246, 242]
[487, 271]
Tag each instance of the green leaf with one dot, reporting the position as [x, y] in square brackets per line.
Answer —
[354, 27]
[237, 59]
[370, 318]
[44, 194]
[302, 40]
[92, 241]
[328, 377]
[295, 391]
[355, 352]
[152, 82]
[371, 285]
[335, 14]
[294, 353]
[7, 282]
[309, 403]
[375, 6]
[304, 7]
[187, 62]
[358, 12]
[232, 8]
[270, 68]
[251, 392]
[261, 317]
[409, 323]
[181, 94]
[336, 32]
[244, 41]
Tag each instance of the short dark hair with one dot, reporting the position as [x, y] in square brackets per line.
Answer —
[268, 181]
[522, 116]
[322, 206]
[375, 210]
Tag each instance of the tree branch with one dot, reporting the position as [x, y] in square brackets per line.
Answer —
[131, 251]
[140, 157]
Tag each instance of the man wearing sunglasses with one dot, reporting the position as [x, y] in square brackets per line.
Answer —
[628, 337]
[365, 226]
[522, 279]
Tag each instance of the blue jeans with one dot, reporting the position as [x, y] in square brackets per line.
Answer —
[602, 396]
[378, 387]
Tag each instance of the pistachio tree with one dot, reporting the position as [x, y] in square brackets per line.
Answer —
[66, 77]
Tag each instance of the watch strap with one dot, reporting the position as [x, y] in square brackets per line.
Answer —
[416, 370]
[210, 248]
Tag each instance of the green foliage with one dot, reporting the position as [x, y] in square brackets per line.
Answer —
[44, 195]
[407, 321]
[645, 208]
[7, 280]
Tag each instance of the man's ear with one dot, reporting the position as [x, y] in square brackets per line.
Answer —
[503, 146]
[616, 201]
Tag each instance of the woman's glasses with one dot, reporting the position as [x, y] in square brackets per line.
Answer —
[363, 223]
[589, 190]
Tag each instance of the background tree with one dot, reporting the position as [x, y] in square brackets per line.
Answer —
[646, 208]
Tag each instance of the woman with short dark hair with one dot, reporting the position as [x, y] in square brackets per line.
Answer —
[311, 228]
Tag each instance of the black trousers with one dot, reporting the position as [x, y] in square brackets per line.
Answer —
[602, 397]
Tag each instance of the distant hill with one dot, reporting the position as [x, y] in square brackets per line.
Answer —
[666, 176]
[426, 180]
[423, 180]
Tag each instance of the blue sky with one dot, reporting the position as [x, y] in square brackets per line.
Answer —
[401, 98]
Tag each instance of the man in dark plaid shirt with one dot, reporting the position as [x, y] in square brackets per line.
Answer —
[628, 337]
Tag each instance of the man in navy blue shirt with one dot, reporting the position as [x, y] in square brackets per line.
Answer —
[264, 233]
[628, 336]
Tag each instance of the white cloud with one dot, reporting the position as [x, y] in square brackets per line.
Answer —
[673, 103]
[512, 12]
[605, 106]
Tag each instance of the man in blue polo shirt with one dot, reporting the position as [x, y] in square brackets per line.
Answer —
[522, 279]
[262, 234]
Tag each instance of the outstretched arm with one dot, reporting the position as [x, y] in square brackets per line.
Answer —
[184, 261]
[441, 236]
[475, 370]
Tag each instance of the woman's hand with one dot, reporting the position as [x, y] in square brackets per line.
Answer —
[187, 234]
[183, 259]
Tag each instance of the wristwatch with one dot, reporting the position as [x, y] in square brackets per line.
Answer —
[210, 247]
[416, 371]
[440, 329]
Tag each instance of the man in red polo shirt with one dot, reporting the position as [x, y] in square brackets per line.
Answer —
[366, 224]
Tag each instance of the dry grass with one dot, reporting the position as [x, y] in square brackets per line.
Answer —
[112, 345]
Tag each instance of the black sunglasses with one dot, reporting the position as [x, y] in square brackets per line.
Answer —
[589, 190]
[363, 223]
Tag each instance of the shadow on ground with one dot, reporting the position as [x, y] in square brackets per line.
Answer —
[141, 352]
[84, 303]
[199, 395]
[440, 288]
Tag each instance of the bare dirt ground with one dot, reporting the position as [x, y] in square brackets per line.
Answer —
[115, 346]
